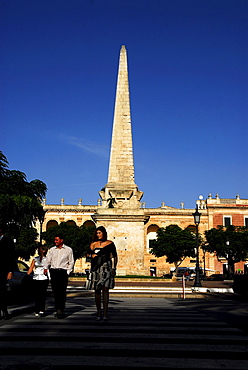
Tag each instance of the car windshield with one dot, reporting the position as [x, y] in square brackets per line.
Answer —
[22, 267]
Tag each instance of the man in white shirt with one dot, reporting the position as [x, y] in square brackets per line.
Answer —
[60, 263]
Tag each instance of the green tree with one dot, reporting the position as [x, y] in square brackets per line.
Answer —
[26, 243]
[20, 205]
[230, 243]
[174, 243]
[76, 237]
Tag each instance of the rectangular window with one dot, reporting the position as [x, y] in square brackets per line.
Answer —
[227, 221]
[246, 221]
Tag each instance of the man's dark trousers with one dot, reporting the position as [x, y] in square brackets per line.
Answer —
[59, 281]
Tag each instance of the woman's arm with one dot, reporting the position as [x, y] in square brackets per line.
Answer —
[88, 254]
[90, 250]
[115, 262]
[31, 268]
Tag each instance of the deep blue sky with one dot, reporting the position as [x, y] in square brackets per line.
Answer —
[188, 86]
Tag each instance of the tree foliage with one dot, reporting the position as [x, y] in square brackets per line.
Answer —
[20, 205]
[174, 243]
[76, 237]
[230, 243]
[26, 242]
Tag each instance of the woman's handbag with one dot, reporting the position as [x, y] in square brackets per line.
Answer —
[91, 280]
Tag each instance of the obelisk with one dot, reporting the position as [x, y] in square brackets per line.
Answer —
[121, 190]
[120, 212]
[121, 167]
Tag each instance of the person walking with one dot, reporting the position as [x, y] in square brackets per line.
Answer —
[7, 253]
[101, 278]
[60, 263]
[40, 280]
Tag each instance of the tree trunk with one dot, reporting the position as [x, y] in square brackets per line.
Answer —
[230, 271]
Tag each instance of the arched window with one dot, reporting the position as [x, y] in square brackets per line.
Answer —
[71, 223]
[151, 235]
[191, 228]
[89, 223]
[51, 223]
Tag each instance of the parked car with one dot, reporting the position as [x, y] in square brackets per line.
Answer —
[188, 275]
[20, 282]
[215, 277]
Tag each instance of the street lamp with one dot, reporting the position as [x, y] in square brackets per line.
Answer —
[227, 258]
[41, 218]
[197, 216]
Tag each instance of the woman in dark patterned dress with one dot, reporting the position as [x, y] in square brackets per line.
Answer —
[102, 252]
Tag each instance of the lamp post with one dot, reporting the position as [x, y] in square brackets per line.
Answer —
[197, 216]
[204, 263]
[227, 258]
[41, 218]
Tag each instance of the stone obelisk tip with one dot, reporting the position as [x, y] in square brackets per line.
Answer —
[121, 185]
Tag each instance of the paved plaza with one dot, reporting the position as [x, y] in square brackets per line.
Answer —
[141, 333]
